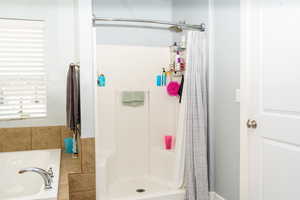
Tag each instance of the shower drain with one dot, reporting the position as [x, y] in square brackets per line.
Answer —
[140, 190]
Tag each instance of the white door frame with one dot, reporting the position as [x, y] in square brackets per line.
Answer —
[244, 101]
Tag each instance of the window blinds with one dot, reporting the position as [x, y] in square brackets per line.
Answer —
[22, 69]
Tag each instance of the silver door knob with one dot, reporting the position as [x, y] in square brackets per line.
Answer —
[251, 124]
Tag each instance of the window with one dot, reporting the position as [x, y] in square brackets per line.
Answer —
[22, 69]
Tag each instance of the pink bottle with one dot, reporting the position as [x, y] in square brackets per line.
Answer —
[168, 142]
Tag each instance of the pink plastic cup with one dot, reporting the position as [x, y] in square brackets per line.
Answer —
[168, 142]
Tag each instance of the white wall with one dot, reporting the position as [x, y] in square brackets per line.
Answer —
[86, 45]
[59, 18]
[141, 9]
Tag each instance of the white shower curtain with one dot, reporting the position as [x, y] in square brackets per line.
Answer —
[195, 118]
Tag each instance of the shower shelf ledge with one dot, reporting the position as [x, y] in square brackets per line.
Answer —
[166, 151]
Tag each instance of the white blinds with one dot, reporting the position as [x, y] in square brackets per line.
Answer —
[22, 69]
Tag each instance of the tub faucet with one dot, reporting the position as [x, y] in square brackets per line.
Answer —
[47, 176]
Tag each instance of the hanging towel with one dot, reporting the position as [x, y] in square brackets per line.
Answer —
[73, 98]
[133, 98]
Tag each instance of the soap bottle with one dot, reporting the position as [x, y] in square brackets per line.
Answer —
[164, 77]
[177, 61]
[182, 65]
[101, 80]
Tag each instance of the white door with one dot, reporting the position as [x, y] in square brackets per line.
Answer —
[274, 101]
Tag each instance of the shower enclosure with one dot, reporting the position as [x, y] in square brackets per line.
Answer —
[132, 162]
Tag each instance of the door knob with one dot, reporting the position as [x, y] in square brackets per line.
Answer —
[252, 124]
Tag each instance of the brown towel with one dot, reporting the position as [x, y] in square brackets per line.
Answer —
[73, 98]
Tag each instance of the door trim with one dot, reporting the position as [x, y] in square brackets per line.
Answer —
[211, 68]
[244, 100]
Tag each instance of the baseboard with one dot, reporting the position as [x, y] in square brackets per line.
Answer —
[215, 196]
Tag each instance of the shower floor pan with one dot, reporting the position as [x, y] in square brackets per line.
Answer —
[143, 189]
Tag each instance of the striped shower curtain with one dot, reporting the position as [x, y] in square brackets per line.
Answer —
[196, 167]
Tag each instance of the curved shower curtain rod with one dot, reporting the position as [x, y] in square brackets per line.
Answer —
[177, 27]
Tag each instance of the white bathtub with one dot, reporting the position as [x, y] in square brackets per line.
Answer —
[28, 186]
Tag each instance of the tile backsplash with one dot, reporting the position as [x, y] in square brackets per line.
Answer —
[33, 138]
[82, 186]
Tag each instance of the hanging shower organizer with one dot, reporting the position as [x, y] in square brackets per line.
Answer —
[177, 59]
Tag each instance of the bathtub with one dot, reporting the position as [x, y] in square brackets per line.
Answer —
[28, 186]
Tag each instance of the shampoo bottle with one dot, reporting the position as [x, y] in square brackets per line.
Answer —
[101, 80]
[164, 77]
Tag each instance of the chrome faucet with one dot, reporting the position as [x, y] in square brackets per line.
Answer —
[46, 175]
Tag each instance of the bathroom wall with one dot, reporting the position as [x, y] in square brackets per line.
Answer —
[141, 9]
[59, 17]
[191, 11]
[33, 138]
[226, 81]
[85, 53]
[132, 137]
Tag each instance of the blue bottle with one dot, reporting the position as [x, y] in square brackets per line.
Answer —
[158, 80]
[164, 77]
[68, 145]
[101, 80]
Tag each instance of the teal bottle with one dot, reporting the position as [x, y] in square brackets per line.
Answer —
[101, 80]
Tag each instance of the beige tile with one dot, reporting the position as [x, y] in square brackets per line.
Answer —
[68, 165]
[86, 195]
[63, 179]
[81, 182]
[71, 165]
[65, 132]
[46, 137]
[82, 186]
[63, 192]
[15, 139]
[88, 155]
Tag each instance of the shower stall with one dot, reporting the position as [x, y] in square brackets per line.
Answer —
[132, 161]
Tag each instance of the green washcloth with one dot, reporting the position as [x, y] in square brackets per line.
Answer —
[133, 98]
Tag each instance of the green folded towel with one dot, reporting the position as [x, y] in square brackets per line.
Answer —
[133, 98]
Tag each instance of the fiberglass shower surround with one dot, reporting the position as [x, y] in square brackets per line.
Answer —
[130, 139]
[132, 162]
